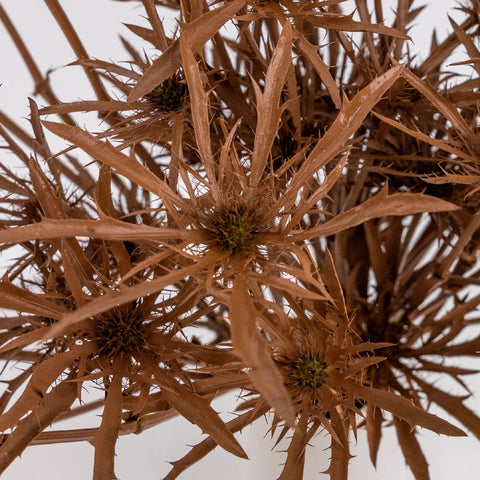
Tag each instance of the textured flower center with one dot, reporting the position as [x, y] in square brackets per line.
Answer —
[309, 371]
[120, 333]
[169, 96]
[237, 236]
[234, 231]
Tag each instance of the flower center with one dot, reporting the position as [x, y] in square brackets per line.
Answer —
[120, 333]
[309, 371]
[169, 96]
[234, 231]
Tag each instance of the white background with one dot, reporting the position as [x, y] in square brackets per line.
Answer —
[145, 456]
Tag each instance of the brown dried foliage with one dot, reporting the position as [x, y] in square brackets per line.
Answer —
[326, 242]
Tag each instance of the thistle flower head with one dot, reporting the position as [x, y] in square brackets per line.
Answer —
[234, 230]
[308, 371]
[170, 95]
[120, 333]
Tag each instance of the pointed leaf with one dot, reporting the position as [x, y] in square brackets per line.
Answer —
[199, 106]
[55, 402]
[373, 424]
[197, 410]
[294, 466]
[126, 294]
[268, 110]
[109, 155]
[105, 228]
[453, 405]
[250, 346]
[203, 448]
[107, 434]
[196, 34]
[403, 408]
[348, 120]
[16, 298]
[43, 376]
[340, 454]
[411, 450]
[398, 204]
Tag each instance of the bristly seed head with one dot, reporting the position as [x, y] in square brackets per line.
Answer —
[170, 95]
[308, 371]
[234, 230]
[120, 333]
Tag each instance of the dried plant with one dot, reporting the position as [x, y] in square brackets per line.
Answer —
[310, 210]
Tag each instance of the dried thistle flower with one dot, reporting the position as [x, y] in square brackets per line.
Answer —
[233, 229]
[170, 96]
[308, 371]
[120, 333]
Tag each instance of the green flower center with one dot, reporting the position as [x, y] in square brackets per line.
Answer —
[234, 231]
[237, 236]
[309, 371]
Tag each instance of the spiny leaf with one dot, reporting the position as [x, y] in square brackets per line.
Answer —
[398, 204]
[348, 120]
[251, 348]
[106, 436]
[196, 34]
[411, 450]
[105, 228]
[16, 298]
[403, 408]
[268, 110]
[43, 376]
[55, 402]
[198, 411]
[108, 154]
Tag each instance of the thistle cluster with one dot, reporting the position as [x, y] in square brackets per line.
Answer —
[311, 213]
